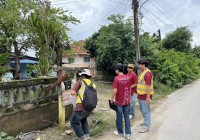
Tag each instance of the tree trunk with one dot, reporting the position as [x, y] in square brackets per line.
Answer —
[17, 60]
[59, 56]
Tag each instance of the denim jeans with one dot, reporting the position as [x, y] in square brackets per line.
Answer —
[146, 112]
[79, 123]
[123, 110]
[132, 105]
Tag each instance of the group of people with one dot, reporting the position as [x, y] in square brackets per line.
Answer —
[127, 88]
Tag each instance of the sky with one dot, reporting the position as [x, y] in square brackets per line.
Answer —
[165, 15]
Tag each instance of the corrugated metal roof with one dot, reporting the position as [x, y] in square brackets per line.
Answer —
[25, 61]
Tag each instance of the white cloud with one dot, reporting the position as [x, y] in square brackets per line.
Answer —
[176, 14]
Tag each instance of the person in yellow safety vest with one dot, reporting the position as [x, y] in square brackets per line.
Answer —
[79, 116]
[145, 93]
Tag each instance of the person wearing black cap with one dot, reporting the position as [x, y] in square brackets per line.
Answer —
[121, 95]
[145, 92]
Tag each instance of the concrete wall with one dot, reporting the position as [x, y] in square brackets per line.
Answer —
[31, 120]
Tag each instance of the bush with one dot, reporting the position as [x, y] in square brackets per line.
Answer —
[169, 74]
[4, 136]
[176, 68]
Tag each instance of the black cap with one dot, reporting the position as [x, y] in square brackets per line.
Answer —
[143, 61]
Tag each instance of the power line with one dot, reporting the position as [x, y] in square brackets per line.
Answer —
[168, 16]
[143, 4]
[57, 0]
[155, 25]
[99, 21]
[174, 14]
[125, 9]
[168, 12]
[77, 1]
[120, 2]
[157, 17]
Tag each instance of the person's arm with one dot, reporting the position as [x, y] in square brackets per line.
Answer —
[148, 79]
[148, 100]
[134, 85]
[76, 87]
[115, 84]
[114, 94]
[135, 79]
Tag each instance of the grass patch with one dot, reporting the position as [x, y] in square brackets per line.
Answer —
[161, 90]
[105, 123]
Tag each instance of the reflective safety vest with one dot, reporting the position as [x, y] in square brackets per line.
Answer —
[141, 86]
[82, 90]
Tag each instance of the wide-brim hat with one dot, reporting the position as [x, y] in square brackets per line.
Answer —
[86, 72]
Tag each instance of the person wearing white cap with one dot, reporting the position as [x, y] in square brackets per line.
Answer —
[79, 116]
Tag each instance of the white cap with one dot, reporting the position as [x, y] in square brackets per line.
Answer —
[86, 72]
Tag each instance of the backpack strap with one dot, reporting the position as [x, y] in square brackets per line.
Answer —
[91, 84]
[86, 86]
[85, 83]
[80, 98]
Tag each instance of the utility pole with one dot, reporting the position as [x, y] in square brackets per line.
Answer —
[135, 7]
[159, 35]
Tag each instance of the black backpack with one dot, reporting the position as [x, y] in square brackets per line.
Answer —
[89, 100]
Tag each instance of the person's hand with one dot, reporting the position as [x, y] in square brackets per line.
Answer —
[148, 100]
[112, 100]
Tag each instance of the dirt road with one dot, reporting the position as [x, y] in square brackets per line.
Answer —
[176, 118]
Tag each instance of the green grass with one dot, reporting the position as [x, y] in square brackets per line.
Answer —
[161, 90]
[106, 122]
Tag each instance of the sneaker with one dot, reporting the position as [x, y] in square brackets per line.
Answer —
[88, 136]
[117, 134]
[142, 124]
[143, 130]
[83, 138]
[128, 137]
[131, 116]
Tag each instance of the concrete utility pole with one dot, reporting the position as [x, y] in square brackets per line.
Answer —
[135, 6]
[159, 35]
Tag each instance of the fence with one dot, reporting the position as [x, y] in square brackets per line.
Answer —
[28, 105]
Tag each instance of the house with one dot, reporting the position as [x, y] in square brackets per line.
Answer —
[79, 58]
[24, 62]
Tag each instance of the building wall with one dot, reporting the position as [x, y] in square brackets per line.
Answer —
[79, 60]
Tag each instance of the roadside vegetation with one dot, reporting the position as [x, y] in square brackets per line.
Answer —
[173, 61]
[38, 25]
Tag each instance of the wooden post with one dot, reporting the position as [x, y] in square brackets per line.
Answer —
[61, 109]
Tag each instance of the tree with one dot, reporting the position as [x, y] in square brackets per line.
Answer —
[13, 19]
[196, 51]
[112, 44]
[179, 40]
[3, 59]
[149, 45]
[49, 32]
